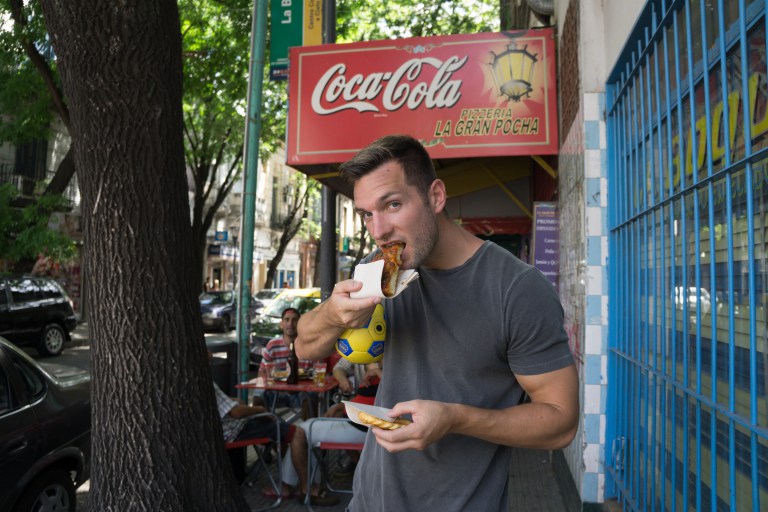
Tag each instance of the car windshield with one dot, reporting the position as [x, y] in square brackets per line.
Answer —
[267, 294]
[302, 304]
[216, 298]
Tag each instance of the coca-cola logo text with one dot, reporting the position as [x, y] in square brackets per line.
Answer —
[398, 89]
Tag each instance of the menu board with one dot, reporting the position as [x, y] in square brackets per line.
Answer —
[546, 240]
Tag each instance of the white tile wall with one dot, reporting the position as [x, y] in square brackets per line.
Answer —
[583, 287]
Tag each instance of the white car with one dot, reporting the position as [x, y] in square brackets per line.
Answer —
[693, 299]
[266, 296]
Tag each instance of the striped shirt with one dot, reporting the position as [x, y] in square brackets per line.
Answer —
[277, 351]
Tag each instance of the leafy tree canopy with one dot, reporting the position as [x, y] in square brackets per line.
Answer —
[216, 39]
[24, 100]
[369, 21]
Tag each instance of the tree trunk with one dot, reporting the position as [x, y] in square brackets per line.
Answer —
[157, 440]
[362, 245]
[316, 276]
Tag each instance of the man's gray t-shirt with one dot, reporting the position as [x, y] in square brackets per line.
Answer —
[457, 336]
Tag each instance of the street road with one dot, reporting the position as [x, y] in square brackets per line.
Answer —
[78, 352]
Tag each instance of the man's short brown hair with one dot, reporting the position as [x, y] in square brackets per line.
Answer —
[403, 149]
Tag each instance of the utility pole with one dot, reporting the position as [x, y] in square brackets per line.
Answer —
[250, 165]
[328, 249]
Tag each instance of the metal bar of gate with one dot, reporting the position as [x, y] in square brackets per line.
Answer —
[747, 123]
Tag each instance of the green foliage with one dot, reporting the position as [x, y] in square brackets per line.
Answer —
[24, 232]
[25, 102]
[215, 47]
[359, 20]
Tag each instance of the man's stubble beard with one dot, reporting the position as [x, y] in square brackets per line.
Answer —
[427, 240]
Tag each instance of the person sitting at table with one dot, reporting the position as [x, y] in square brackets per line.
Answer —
[360, 380]
[348, 374]
[277, 351]
[238, 423]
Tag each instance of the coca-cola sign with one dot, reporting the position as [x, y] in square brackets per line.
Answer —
[465, 95]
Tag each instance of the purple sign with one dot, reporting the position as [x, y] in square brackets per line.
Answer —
[546, 240]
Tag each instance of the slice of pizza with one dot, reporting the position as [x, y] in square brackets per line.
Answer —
[395, 424]
[390, 253]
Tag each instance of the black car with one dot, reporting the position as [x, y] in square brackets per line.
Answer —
[219, 309]
[45, 432]
[35, 311]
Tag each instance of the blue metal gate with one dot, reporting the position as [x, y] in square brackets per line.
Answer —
[687, 121]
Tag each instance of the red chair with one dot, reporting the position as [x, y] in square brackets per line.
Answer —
[274, 481]
[317, 447]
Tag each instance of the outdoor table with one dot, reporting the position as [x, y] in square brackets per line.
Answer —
[303, 386]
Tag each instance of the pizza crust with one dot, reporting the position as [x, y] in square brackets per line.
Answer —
[378, 422]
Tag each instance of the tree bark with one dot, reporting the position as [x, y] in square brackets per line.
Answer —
[157, 440]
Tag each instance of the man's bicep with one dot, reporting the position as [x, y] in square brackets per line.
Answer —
[559, 388]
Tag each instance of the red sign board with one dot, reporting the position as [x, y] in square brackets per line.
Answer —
[470, 95]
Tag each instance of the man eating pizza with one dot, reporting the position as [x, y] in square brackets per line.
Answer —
[465, 342]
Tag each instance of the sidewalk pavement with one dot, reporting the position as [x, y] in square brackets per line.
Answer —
[535, 484]
[80, 335]
[539, 480]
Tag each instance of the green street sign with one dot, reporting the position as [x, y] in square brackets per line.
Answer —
[294, 23]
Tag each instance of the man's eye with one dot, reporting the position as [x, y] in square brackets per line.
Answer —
[394, 205]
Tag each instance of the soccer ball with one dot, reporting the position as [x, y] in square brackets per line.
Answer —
[366, 344]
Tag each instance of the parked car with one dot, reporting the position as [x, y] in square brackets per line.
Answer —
[36, 311]
[45, 432]
[219, 310]
[266, 296]
[267, 325]
[694, 298]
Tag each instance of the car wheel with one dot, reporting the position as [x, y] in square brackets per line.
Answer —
[52, 340]
[53, 490]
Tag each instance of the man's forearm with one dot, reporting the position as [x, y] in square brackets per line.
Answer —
[316, 334]
[533, 425]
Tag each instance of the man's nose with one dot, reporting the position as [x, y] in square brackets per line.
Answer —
[379, 227]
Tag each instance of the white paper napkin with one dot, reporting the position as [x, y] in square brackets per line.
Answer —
[370, 275]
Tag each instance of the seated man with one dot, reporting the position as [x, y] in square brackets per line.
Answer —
[361, 381]
[278, 351]
[238, 424]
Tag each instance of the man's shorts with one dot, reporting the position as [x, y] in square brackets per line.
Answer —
[266, 427]
[292, 400]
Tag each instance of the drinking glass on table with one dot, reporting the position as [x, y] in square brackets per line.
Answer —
[281, 370]
[319, 367]
[269, 373]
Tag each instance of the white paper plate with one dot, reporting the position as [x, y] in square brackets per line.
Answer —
[353, 409]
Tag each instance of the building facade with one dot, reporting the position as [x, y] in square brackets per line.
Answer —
[276, 185]
[29, 167]
[664, 114]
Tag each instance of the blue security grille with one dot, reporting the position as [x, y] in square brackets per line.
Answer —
[687, 121]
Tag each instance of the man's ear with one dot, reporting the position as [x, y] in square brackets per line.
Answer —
[437, 196]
